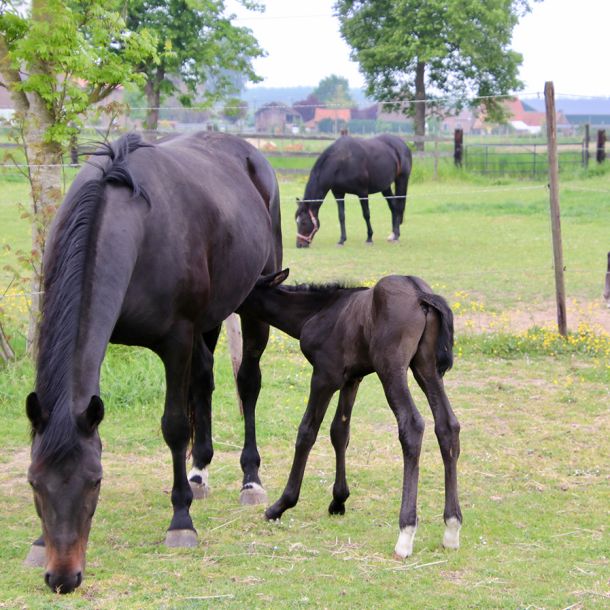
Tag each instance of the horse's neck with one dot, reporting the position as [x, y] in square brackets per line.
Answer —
[316, 190]
[288, 310]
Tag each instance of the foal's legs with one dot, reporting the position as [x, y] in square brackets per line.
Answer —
[447, 429]
[320, 393]
[200, 397]
[255, 336]
[364, 203]
[410, 434]
[339, 435]
[340, 198]
[389, 197]
[176, 353]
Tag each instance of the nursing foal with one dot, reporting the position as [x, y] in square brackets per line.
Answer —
[347, 333]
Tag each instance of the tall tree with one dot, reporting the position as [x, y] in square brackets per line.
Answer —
[334, 91]
[57, 59]
[197, 45]
[422, 49]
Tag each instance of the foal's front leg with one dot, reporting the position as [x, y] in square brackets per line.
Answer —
[321, 392]
[410, 434]
[339, 435]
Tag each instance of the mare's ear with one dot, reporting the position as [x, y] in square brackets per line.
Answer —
[272, 279]
[92, 416]
[36, 414]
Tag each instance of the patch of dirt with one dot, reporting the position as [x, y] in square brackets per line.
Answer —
[595, 314]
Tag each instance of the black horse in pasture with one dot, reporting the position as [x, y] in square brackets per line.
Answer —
[347, 333]
[154, 245]
[359, 167]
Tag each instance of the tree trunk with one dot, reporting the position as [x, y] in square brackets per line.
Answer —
[153, 97]
[6, 351]
[420, 105]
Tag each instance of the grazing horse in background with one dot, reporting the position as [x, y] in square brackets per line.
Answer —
[154, 245]
[359, 167]
[347, 333]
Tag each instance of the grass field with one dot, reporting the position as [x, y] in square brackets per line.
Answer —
[533, 473]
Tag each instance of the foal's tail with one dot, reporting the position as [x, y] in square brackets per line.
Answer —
[444, 342]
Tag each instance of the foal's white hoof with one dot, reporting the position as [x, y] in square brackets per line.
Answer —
[181, 538]
[37, 557]
[404, 546]
[252, 493]
[451, 537]
[198, 480]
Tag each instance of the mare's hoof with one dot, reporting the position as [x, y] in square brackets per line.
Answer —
[181, 538]
[392, 237]
[273, 515]
[369, 242]
[451, 537]
[340, 243]
[37, 557]
[404, 546]
[252, 493]
[200, 490]
[336, 508]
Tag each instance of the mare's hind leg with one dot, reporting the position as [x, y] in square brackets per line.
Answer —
[200, 397]
[255, 336]
[364, 203]
[319, 396]
[176, 353]
[410, 434]
[447, 429]
[389, 197]
[340, 199]
[339, 435]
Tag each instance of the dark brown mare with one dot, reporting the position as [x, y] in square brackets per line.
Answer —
[359, 167]
[347, 333]
[154, 245]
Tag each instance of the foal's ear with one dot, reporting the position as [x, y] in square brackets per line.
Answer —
[92, 416]
[272, 279]
[36, 414]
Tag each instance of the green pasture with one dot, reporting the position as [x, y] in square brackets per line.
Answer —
[533, 473]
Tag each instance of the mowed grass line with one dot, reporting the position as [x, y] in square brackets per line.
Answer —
[533, 482]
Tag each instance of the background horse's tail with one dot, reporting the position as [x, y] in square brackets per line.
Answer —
[444, 342]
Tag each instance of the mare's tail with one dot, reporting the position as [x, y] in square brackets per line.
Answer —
[444, 342]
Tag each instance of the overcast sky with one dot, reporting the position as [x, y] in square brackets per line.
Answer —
[565, 41]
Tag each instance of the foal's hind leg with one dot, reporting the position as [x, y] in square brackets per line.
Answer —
[447, 429]
[200, 397]
[410, 434]
[255, 336]
[339, 435]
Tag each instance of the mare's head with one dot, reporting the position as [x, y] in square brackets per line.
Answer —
[307, 222]
[65, 475]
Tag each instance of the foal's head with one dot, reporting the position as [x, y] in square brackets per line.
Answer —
[307, 222]
[65, 475]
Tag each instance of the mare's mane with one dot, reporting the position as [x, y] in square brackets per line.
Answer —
[322, 289]
[65, 301]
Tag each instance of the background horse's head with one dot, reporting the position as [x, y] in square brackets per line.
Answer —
[65, 475]
[307, 222]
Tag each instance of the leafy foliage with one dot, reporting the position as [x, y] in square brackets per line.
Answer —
[334, 91]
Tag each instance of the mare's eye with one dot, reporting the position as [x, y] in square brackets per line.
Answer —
[97, 484]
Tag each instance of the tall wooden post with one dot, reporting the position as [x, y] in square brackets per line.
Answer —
[601, 145]
[458, 147]
[607, 287]
[551, 130]
[585, 151]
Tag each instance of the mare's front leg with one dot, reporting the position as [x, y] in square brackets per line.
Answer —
[340, 198]
[364, 203]
[176, 352]
[255, 335]
[339, 435]
[447, 429]
[200, 399]
[410, 434]
[320, 393]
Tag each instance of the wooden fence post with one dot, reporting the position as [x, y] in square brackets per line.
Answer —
[601, 145]
[458, 147]
[551, 130]
[585, 147]
[607, 288]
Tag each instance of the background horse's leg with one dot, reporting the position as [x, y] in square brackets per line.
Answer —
[410, 433]
[340, 198]
[319, 396]
[392, 202]
[37, 555]
[255, 336]
[339, 435]
[364, 203]
[447, 429]
[200, 397]
[176, 353]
